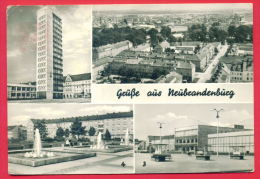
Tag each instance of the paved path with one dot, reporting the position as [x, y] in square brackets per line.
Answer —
[104, 163]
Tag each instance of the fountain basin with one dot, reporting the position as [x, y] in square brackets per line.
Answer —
[17, 157]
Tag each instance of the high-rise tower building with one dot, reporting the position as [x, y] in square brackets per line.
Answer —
[49, 73]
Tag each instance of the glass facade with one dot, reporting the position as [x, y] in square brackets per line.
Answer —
[232, 142]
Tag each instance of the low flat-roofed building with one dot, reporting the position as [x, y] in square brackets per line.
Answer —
[168, 140]
[21, 91]
[194, 138]
[242, 141]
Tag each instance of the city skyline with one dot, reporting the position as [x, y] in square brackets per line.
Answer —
[21, 45]
[183, 115]
[174, 7]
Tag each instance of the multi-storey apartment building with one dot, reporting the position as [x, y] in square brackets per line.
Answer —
[49, 70]
[21, 91]
[115, 123]
[77, 86]
[111, 50]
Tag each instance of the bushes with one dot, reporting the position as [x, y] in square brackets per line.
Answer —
[48, 139]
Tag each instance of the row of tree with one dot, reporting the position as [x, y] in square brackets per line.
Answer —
[136, 36]
[239, 34]
[196, 32]
[134, 71]
[76, 129]
[113, 35]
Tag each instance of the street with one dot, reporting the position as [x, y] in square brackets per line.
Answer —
[203, 77]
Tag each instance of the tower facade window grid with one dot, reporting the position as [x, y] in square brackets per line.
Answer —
[49, 73]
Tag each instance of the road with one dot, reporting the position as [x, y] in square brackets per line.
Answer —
[204, 77]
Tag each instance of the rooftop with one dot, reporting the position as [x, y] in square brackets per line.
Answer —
[79, 77]
[182, 64]
[114, 45]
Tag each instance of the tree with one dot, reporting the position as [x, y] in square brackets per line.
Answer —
[60, 133]
[243, 33]
[171, 39]
[197, 49]
[198, 32]
[77, 129]
[168, 50]
[41, 125]
[215, 24]
[217, 35]
[153, 32]
[231, 30]
[166, 32]
[125, 21]
[91, 131]
[107, 135]
[67, 133]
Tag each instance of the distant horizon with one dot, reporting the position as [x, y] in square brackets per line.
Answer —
[196, 7]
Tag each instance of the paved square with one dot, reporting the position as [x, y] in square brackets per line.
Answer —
[104, 163]
[182, 163]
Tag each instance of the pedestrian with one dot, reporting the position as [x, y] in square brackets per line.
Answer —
[144, 163]
[123, 164]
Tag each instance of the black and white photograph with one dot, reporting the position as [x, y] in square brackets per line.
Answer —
[75, 106]
[173, 43]
[194, 138]
[49, 53]
[70, 139]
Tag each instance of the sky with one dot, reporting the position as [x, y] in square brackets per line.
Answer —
[21, 41]
[183, 115]
[174, 7]
[20, 114]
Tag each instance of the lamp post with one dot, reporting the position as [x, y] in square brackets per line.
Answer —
[160, 126]
[217, 111]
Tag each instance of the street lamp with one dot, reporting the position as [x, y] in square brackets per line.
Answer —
[160, 126]
[218, 111]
